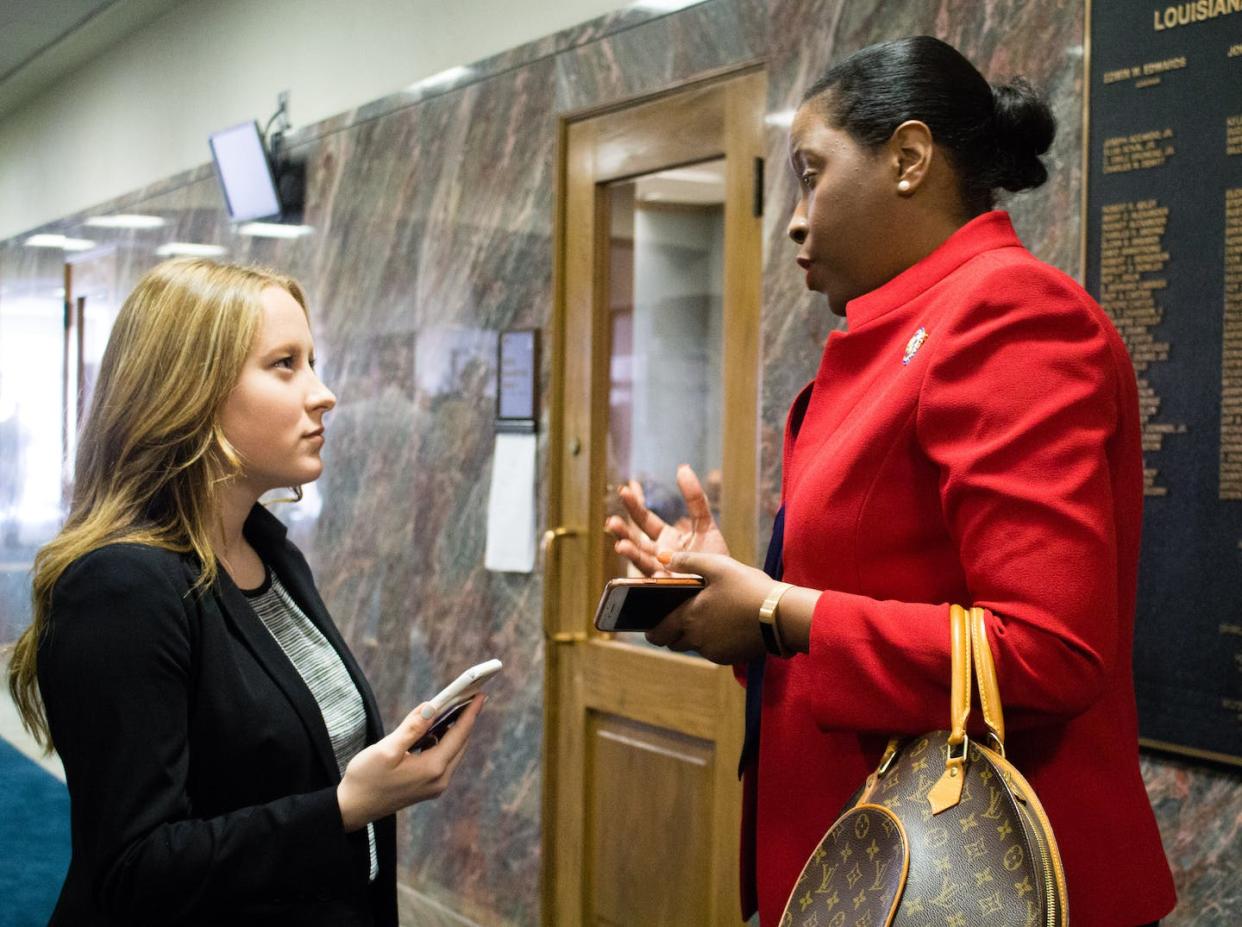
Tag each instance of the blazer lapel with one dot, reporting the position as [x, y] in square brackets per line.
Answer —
[278, 665]
[267, 534]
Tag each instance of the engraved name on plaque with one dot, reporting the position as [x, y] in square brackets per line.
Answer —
[1163, 255]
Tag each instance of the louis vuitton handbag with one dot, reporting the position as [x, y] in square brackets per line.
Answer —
[945, 832]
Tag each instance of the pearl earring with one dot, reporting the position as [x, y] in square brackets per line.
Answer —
[903, 186]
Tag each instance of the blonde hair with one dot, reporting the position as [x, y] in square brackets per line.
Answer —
[152, 456]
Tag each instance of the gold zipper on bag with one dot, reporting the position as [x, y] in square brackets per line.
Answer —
[1050, 898]
[1053, 880]
[1051, 870]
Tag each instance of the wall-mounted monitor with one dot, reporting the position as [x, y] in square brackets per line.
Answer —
[245, 173]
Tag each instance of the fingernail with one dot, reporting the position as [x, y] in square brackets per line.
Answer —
[665, 557]
[427, 711]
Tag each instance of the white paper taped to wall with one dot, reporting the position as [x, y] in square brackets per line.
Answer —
[511, 505]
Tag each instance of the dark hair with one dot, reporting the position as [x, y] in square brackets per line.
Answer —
[993, 135]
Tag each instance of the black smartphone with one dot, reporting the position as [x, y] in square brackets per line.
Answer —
[639, 604]
[437, 730]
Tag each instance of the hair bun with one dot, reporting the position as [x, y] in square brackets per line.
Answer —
[1025, 128]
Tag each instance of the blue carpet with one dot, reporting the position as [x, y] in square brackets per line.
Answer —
[34, 840]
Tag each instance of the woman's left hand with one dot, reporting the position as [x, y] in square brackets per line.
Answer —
[646, 533]
[722, 622]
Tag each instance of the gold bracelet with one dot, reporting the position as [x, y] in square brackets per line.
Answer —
[776, 630]
[767, 620]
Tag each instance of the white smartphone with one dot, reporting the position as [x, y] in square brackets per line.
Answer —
[452, 700]
[639, 604]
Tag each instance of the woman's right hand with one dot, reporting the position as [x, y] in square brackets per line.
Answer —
[386, 777]
[646, 533]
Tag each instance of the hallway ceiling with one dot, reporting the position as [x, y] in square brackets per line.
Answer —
[42, 41]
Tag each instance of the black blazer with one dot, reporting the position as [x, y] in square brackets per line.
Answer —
[201, 778]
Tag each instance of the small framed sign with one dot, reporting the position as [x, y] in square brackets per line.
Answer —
[517, 388]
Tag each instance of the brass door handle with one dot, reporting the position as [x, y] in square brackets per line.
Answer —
[548, 546]
[552, 534]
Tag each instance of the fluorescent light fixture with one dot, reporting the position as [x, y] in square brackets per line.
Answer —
[59, 241]
[782, 119]
[45, 241]
[126, 221]
[274, 230]
[441, 79]
[188, 249]
[664, 6]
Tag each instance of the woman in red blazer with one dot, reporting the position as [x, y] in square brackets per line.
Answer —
[972, 436]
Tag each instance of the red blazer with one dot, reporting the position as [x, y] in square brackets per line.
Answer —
[973, 438]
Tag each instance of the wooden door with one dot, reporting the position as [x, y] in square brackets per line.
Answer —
[91, 306]
[655, 349]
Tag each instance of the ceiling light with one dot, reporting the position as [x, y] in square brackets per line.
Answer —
[59, 241]
[274, 230]
[440, 79]
[45, 241]
[664, 6]
[126, 221]
[188, 249]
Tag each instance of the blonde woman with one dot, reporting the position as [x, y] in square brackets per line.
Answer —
[213, 725]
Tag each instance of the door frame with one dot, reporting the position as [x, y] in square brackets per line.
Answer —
[579, 359]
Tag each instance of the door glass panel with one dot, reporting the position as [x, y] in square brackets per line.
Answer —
[665, 308]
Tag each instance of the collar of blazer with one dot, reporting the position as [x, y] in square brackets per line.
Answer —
[266, 533]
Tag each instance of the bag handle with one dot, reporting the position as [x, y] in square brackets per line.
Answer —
[947, 791]
[989, 692]
[960, 689]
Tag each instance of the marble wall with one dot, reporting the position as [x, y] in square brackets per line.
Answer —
[432, 216]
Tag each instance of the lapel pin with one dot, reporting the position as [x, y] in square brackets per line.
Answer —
[913, 345]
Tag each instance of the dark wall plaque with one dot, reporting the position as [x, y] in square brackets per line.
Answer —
[517, 380]
[1164, 258]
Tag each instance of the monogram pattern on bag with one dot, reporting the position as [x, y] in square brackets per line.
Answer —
[976, 864]
[854, 875]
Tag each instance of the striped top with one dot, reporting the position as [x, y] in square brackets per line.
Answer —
[321, 669]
